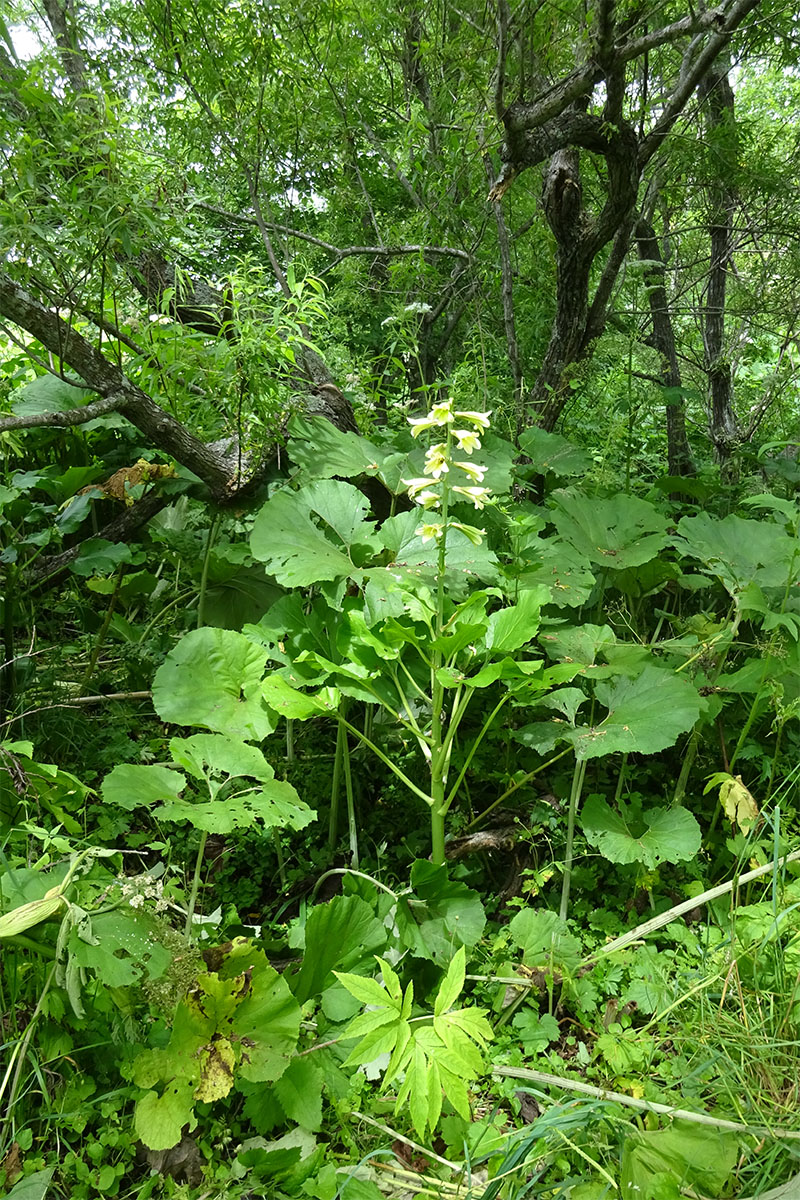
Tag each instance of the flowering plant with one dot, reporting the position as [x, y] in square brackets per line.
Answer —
[443, 474]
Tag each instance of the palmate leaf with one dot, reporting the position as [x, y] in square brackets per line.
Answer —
[659, 835]
[646, 714]
[621, 531]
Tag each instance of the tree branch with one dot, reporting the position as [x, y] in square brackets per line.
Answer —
[66, 419]
[219, 471]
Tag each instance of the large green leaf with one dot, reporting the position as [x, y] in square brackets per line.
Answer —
[323, 451]
[621, 531]
[273, 805]
[47, 394]
[510, 628]
[240, 1020]
[313, 534]
[544, 939]
[442, 914]
[686, 1155]
[561, 568]
[130, 785]
[658, 835]
[212, 678]
[646, 714]
[413, 560]
[551, 452]
[215, 756]
[338, 934]
[582, 645]
[740, 552]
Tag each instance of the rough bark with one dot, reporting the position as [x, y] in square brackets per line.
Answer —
[717, 94]
[220, 465]
[679, 455]
[558, 124]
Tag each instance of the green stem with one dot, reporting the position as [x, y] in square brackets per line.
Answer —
[351, 871]
[574, 800]
[438, 765]
[180, 599]
[276, 841]
[198, 868]
[487, 724]
[401, 775]
[336, 783]
[352, 827]
[518, 784]
[201, 601]
[18, 1055]
[102, 631]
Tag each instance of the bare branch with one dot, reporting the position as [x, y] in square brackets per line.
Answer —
[218, 471]
[66, 419]
[727, 23]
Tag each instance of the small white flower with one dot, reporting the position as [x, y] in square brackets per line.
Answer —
[441, 414]
[431, 531]
[436, 463]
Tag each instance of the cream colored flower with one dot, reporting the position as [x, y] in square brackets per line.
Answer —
[430, 531]
[478, 495]
[474, 470]
[467, 440]
[436, 463]
[480, 419]
[441, 414]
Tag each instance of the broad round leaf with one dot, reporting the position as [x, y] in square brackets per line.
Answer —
[646, 714]
[621, 531]
[659, 835]
[212, 678]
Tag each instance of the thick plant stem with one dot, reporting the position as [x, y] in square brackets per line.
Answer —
[103, 630]
[336, 782]
[439, 756]
[574, 800]
[201, 601]
[198, 868]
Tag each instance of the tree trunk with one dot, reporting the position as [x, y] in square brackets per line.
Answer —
[717, 94]
[679, 456]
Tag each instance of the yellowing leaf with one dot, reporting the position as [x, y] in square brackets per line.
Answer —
[738, 803]
[217, 1061]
